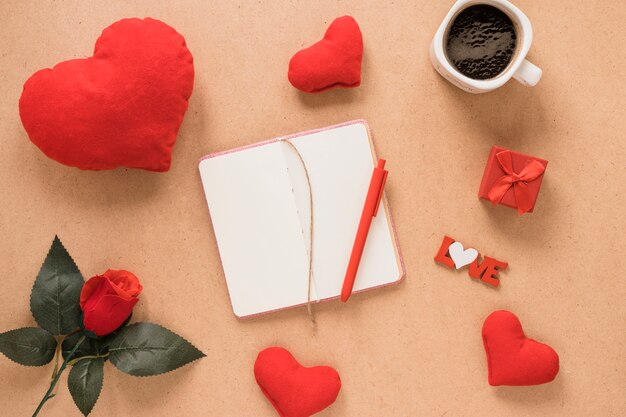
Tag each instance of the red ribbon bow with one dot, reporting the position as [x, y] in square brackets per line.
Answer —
[524, 201]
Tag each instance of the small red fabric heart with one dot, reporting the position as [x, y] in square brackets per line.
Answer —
[122, 107]
[335, 61]
[512, 358]
[293, 390]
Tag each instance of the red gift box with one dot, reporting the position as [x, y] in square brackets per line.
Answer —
[512, 179]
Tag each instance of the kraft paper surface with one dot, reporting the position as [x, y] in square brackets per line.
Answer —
[413, 349]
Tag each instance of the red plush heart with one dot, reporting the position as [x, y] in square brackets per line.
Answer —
[512, 358]
[121, 107]
[293, 390]
[335, 61]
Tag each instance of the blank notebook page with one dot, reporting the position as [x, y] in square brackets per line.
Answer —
[258, 198]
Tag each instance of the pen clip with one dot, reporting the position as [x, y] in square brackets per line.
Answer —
[380, 192]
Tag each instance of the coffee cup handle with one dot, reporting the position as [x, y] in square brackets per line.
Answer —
[528, 74]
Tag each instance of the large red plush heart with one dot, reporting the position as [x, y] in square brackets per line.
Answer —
[335, 61]
[512, 358]
[122, 107]
[293, 390]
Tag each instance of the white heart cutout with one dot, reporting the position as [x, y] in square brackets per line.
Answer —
[462, 257]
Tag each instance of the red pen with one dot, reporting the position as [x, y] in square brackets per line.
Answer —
[372, 202]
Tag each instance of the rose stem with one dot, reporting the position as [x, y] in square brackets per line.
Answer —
[56, 377]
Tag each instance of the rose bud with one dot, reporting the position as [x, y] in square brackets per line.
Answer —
[107, 300]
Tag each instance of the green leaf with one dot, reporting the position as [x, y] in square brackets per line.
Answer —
[85, 383]
[90, 347]
[145, 349]
[30, 346]
[55, 298]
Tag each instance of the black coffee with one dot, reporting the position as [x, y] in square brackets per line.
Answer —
[481, 42]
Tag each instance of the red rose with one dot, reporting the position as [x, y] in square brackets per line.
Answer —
[107, 300]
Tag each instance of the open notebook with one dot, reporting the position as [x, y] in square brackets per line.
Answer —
[258, 198]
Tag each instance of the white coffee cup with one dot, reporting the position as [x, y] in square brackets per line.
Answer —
[519, 68]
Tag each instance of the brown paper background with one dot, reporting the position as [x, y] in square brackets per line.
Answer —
[410, 350]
